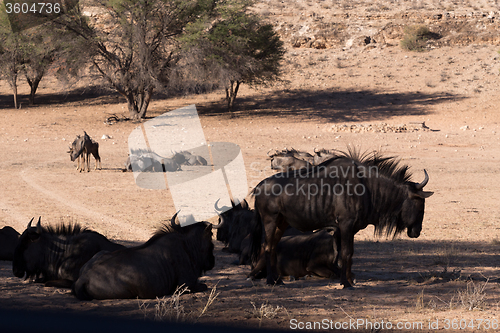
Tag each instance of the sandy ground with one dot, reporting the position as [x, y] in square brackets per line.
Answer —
[416, 282]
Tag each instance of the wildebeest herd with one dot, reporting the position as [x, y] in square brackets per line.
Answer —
[303, 223]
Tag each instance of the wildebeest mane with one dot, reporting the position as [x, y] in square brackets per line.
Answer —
[388, 166]
[65, 229]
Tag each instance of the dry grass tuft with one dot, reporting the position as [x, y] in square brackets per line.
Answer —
[472, 298]
[266, 311]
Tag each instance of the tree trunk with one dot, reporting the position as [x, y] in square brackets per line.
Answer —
[34, 86]
[138, 103]
[231, 93]
[13, 85]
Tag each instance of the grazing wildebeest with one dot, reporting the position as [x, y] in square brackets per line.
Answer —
[84, 146]
[8, 242]
[54, 255]
[173, 257]
[290, 160]
[349, 192]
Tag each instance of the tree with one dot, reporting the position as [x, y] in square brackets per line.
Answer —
[237, 48]
[134, 43]
[10, 53]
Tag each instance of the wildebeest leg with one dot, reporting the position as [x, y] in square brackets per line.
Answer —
[274, 231]
[346, 252]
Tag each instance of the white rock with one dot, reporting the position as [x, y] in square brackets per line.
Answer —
[464, 128]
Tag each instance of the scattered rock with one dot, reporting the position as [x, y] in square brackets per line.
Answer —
[379, 128]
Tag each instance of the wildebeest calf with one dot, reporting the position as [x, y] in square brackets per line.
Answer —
[55, 255]
[309, 254]
[8, 242]
[174, 256]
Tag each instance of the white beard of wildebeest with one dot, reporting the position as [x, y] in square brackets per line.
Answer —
[389, 201]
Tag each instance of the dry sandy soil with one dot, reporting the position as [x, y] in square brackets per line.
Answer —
[452, 87]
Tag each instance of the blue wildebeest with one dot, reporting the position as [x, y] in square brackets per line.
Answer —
[321, 155]
[349, 192]
[83, 147]
[54, 255]
[145, 160]
[235, 226]
[190, 159]
[8, 242]
[290, 160]
[309, 254]
[174, 256]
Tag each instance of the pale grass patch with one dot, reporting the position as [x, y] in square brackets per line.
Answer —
[472, 298]
[169, 308]
[266, 311]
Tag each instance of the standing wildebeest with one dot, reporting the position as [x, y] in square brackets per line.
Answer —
[173, 257]
[8, 242]
[349, 192]
[55, 255]
[83, 146]
[290, 160]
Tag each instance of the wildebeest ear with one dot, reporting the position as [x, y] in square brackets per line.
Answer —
[421, 194]
[424, 194]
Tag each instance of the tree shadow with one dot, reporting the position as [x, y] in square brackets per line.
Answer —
[331, 105]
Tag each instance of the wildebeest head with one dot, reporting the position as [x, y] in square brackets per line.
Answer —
[27, 252]
[413, 208]
[201, 235]
[322, 155]
[76, 147]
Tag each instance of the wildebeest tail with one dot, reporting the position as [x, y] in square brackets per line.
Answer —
[256, 238]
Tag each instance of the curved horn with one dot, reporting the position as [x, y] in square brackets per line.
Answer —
[268, 153]
[29, 224]
[221, 222]
[216, 206]
[424, 182]
[39, 225]
[174, 225]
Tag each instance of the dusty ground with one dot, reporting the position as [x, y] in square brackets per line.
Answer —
[453, 89]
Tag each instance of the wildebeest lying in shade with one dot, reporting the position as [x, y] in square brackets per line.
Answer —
[174, 256]
[349, 192]
[301, 254]
[290, 160]
[144, 160]
[8, 242]
[83, 147]
[235, 229]
[55, 255]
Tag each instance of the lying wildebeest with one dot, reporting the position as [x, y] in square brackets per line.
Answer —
[349, 192]
[83, 146]
[191, 159]
[322, 155]
[54, 255]
[149, 161]
[314, 253]
[8, 242]
[290, 160]
[173, 257]
[235, 230]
